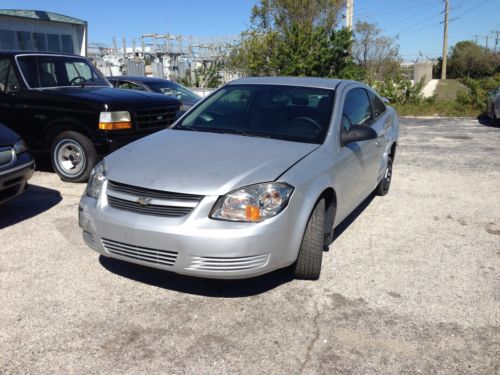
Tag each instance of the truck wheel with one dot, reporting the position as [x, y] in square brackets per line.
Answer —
[384, 184]
[73, 156]
[308, 264]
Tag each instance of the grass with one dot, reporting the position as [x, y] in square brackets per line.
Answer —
[444, 108]
[447, 89]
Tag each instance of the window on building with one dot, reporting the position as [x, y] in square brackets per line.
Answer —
[67, 44]
[24, 40]
[54, 44]
[40, 41]
[7, 40]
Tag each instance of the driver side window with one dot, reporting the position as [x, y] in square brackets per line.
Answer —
[8, 79]
[357, 109]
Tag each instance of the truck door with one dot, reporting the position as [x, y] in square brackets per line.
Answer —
[12, 96]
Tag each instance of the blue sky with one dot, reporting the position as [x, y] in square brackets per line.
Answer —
[417, 22]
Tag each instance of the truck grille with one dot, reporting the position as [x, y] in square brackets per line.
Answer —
[155, 118]
[146, 254]
[6, 156]
[150, 202]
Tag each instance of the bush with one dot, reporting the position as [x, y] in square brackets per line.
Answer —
[399, 91]
[478, 89]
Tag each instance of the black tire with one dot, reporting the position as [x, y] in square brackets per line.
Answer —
[308, 264]
[73, 156]
[384, 184]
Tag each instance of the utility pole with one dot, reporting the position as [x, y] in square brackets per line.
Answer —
[349, 9]
[445, 41]
[497, 32]
[475, 38]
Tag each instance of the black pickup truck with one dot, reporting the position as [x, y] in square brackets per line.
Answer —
[63, 105]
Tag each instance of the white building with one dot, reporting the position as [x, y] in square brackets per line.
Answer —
[34, 30]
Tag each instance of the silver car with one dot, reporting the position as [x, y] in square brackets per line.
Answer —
[493, 108]
[253, 178]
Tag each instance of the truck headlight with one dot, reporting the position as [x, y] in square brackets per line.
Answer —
[117, 120]
[96, 180]
[253, 203]
[20, 147]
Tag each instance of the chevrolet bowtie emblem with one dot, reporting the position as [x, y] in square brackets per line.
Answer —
[143, 201]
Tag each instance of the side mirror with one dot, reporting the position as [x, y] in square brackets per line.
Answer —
[357, 133]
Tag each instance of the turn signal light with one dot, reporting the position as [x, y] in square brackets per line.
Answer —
[252, 213]
[115, 125]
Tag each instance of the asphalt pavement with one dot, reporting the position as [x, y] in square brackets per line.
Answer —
[410, 285]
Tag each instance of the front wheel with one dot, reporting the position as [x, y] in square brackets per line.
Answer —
[308, 264]
[73, 156]
[384, 184]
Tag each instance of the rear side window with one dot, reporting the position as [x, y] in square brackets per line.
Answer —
[357, 108]
[378, 104]
[8, 77]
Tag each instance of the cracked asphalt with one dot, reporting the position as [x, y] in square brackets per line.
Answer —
[410, 285]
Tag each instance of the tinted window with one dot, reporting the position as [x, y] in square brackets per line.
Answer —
[291, 113]
[67, 44]
[24, 40]
[7, 40]
[8, 77]
[40, 41]
[129, 86]
[378, 104]
[173, 89]
[53, 43]
[57, 71]
[357, 109]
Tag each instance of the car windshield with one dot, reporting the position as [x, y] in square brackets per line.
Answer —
[173, 89]
[293, 113]
[59, 71]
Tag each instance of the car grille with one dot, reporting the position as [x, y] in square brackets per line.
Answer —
[155, 118]
[228, 264]
[145, 254]
[6, 156]
[150, 202]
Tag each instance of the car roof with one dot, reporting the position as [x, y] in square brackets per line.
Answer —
[327, 83]
[138, 79]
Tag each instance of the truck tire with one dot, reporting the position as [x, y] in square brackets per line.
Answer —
[384, 184]
[73, 156]
[308, 264]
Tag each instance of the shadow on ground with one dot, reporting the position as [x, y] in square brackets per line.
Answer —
[32, 202]
[211, 287]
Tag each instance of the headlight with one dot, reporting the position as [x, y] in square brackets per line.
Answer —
[253, 203]
[96, 180]
[117, 120]
[20, 147]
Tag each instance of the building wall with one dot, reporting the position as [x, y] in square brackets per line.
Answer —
[17, 33]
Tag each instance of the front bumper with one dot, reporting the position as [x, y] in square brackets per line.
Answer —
[13, 181]
[193, 244]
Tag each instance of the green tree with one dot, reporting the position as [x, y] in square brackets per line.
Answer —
[468, 59]
[376, 53]
[293, 38]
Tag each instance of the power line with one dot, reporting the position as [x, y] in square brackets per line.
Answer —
[475, 7]
[392, 10]
[411, 17]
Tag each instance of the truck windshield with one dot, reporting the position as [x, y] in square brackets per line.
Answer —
[44, 71]
[292, 113]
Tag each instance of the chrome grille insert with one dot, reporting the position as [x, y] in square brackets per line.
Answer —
[145, 254]
[150, 202]
[228, 264]
[153, 118]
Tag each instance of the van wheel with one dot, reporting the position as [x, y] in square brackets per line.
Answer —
[308, 264]
[73, 156]
[384, 184]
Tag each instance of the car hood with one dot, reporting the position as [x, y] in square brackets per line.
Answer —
[7, 136]
[202, 163]
[113, 97]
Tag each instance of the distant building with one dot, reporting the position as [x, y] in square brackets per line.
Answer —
[34, 30]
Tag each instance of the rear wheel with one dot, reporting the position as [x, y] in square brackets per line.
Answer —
[308, 264]
[384, 184]
[73, 156]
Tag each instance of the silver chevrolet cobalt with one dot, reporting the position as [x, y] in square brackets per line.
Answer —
[253, 178]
